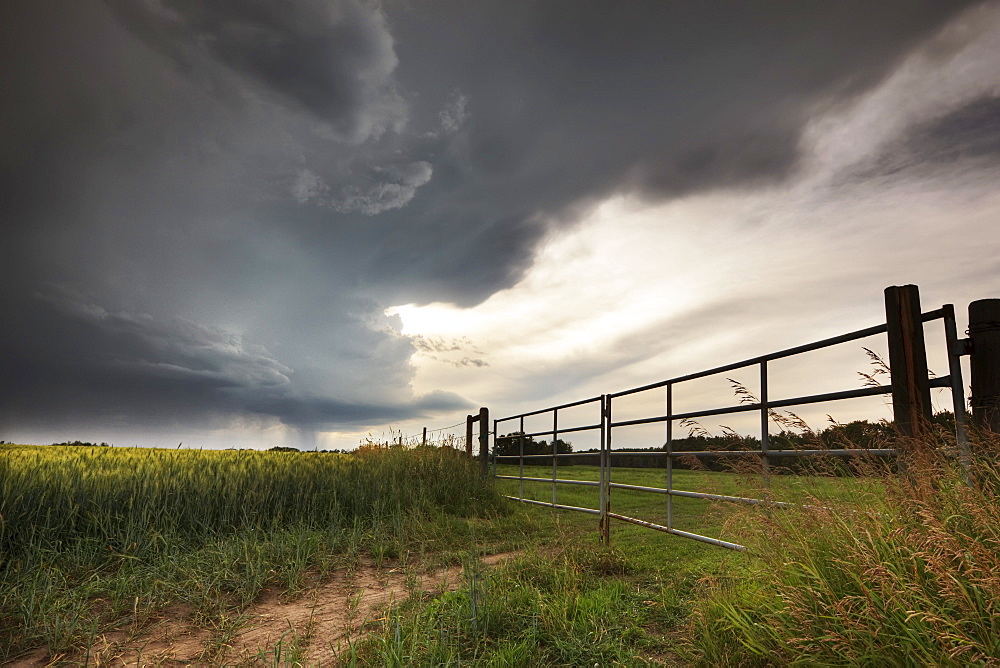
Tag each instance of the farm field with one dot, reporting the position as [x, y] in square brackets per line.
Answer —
[105, 539]
[263, 557]
[407, 557]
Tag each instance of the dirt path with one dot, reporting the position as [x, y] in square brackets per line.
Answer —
[315, 628]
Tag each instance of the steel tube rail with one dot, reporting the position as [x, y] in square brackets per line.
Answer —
[555, 460]
[677, 532]
[547, 456]
[561, 481]
[765, 414]
[578, 509]
[669, 446]
[548, 432]
[520, 451]
[603, 522]
[607, 432]
[847, 452]
[788, 352]
[943, 381]
[744, 408]
[706, 496]
[572, 404]
[855, 452]
[567, 430]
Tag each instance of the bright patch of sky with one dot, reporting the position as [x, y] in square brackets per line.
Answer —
[636, 293]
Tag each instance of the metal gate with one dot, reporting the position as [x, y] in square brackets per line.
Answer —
[910, 388]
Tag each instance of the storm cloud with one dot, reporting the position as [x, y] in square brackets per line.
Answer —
[209, 206]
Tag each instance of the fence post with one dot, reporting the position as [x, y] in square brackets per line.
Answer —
[911, 392]
[423, 442]
[984, 330]
[484, 440]
[469, 419]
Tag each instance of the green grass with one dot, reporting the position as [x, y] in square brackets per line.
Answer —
[882, 570]
[93, 537]
[909, 576]
[890, 569]
[693, 515]
[569, 600]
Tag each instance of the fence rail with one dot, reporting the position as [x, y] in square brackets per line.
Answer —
[910, 388]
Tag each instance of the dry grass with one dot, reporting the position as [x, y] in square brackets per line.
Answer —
[907, 573]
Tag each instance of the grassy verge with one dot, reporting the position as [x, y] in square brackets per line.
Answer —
[572, 601]
[907, 576]
[894, 569]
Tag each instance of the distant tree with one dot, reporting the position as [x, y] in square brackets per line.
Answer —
[283, 448]
[84, 444]
[510, 445]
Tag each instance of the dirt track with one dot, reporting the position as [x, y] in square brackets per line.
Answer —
[320, 623]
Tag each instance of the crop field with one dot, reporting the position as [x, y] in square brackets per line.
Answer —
[91, 536]
[405, 557]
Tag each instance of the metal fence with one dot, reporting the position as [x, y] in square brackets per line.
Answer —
[910, 381]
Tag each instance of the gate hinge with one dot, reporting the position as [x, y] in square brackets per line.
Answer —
[962, 347]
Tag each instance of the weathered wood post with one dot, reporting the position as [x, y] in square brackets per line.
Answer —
[423, 441]
[469, 419]
[984, 363]
[911, 392]
[484, 440]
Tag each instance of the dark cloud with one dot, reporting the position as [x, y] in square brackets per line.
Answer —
[967, 137]
[570, 102]
[229, 194]
[86, 367]
[334, 60]
[972, 131]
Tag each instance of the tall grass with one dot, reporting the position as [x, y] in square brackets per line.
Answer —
[906, 573]
[132, 500]
[530, 611]
[88, 535]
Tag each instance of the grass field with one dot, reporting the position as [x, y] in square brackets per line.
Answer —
[693, 515]
[897, 570]
[900, 569]
[91, 536]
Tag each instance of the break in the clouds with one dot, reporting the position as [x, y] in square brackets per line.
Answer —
[209, 207]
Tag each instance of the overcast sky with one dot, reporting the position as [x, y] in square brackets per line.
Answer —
[255, 223]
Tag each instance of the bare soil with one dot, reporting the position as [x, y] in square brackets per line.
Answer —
[314, 629]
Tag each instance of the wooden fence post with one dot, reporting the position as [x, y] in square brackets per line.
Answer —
[911, 392]
[484, 440]
[468, 434]
[423, 442]
[984, 363]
